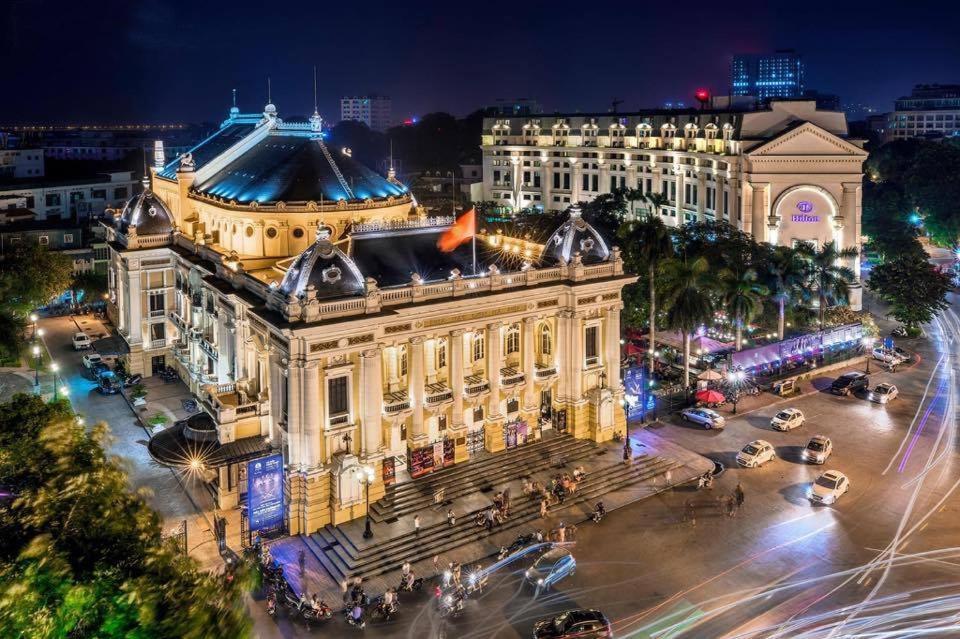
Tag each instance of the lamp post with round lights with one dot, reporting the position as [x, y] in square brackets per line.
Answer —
[868, 349]
[365, 475]
[54, 367]
[36, 358]
[33, 318]
[735, 378]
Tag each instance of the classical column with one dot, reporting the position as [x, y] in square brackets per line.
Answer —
[612, 346]
[493, 367]
[701, 193]
[546, 184]
[563, 353]
[309, 395]
[575, 179]
[529, 370]
[681, 178]
[430, 359]
[371, 394]
[758, 217]
[393, 368]
[576, 358]
[455, 345]
[415, 385]
[604, 178]
[135, 304]
[718, 209]
[295, 426]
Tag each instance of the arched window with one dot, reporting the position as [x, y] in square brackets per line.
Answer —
[546, 340]
[402, 356]
[668, 131]
[513, 340]
[690, 131]
[478, 347]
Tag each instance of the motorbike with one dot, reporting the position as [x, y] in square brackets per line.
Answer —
[451, 606]
[705, 481]
[359, 624]
[408, 585]
[132, 380]
[598, 512]
[310, 614]
[386, 611]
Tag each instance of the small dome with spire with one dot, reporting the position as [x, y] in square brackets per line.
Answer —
[327, 269]
[576, 236]
[146, 214]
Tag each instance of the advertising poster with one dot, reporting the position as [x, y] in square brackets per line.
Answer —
[265, 492]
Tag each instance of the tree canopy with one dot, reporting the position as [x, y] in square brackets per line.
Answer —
[915, 290]
[82, 555]
[30, 276]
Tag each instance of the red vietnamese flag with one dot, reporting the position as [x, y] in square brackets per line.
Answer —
[462, 230]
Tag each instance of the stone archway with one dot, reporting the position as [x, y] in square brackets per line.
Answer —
[805, 212]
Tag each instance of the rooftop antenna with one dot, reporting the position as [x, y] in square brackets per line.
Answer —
[315, 109]
[269, 92]
[234, 91]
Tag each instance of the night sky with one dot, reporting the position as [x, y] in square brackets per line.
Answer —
[109, 61]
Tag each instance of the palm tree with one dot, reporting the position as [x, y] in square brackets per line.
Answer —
[742, 297]
[657, 202]
[786, 277]
[828, 276]
[687, 300]
[649, 244]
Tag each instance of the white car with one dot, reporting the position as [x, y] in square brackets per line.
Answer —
[887, 356]
[787, 419]
[883, 393]
[92, 359]
[81, 341]
[829, 487]
[818, 449]
[756, 453]
[703, 416]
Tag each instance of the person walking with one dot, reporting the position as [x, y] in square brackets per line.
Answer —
[451, 517]
[738, 495]
[302, 562]
[405, 568]
[345, 588]
[416, 524]
[436, 564]
[543, 508]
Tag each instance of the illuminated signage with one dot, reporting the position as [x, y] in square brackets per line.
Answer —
[804, 218]
[804, 206]
[265, 492]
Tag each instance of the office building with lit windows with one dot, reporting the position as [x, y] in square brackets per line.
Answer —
[767, 76]
[304, 300]
[931, 111]
[784, 174]
[375, 111]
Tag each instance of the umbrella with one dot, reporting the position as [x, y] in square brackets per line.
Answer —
[710, 396]
[710, 375]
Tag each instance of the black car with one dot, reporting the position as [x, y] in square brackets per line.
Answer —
[582, 624]
[850, 383]
[107, 382]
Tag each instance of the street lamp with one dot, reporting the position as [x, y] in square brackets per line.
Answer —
[365, 476]
[868, 347]
[735, 377]
[36, 356]
[34, 318]
[54, 367]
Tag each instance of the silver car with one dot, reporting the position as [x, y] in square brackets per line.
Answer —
[883, 393]
[818, 450]
[703, 416]
[549, 568]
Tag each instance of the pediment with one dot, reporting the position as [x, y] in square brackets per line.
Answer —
[807, 139]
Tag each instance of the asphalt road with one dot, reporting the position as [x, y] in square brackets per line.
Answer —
[882, 559]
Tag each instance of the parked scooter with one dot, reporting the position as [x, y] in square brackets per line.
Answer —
[408, 584]
[132, 380]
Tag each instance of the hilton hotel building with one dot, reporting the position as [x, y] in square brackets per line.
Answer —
[784, 174]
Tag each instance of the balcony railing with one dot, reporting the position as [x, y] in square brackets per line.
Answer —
[339, 420]
[394, 403]
[437, 394]
[510, 376]
[209, 349]
[157, 312]
[475, 384]
[546, 372]
[158, 343]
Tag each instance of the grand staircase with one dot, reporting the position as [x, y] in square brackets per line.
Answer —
[341, 557]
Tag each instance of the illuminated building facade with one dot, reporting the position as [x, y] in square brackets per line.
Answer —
[931, 110]
[784, 174]
[767, 76]
[304, 300]
[376, 111]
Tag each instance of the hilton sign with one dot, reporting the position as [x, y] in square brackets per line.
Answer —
[805, 208]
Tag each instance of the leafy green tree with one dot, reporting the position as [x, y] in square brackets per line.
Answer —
[687, 285]
[93, 286]
[829, 278]
[647, 244]
[31, 276]
[742, 298]
[914, 289]
[85, 557]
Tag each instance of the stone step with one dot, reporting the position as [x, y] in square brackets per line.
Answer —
[381, 564]
[429, 483]
[481, 479]
[388, 555]
[351, 552]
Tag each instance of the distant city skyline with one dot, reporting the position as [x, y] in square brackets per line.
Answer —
[170, 60]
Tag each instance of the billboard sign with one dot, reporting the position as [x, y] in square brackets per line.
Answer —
[265, 492]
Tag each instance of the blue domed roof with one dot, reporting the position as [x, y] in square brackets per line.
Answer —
[146, 213]
[327, 268]
[576, 236]
[286, 167]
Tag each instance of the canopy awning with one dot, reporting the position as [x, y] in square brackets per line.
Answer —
[698, 343]
[188, 441]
